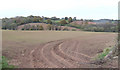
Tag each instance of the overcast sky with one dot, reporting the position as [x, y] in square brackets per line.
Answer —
[86, 9]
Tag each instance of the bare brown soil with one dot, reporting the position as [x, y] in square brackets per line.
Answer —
[43, 24]
[66, 53]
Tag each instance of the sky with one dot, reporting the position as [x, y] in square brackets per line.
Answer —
[85, 9]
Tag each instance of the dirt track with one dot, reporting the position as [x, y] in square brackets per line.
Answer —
[68, 53]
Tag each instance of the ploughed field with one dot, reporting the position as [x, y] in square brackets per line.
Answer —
[55, 49]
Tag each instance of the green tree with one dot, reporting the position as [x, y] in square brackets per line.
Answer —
[66, 18]
[70, 20]
[23, 28]
[49, 21]
[41, 20]
[35, 19]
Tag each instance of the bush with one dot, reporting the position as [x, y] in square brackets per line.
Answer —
[63, 22]
[70, 19]
[104, 53]
[49, 27]
[5, 64]
[41, 27]
[73, 29]
[99, 59]
[22, 29]
[49, 21]
[33, 27]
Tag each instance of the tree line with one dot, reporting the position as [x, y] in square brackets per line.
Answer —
[12, 23]
[40, 27]
[105, 27]
[54, 22]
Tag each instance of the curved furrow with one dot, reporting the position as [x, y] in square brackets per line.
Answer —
[74, 52]
[39, 60]
[53, 58]
[44, 57]
[47, 56]
[78, 59]
[75, 61]
[63, 61]
[67, 53]
[31, 58]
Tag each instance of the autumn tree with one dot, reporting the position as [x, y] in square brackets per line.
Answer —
[86, 22]
[37, 27]
[49, 26]
[35, 19]
[33, 27]
[70, 19]
[41, 20]
[41, 27]
[49, 21]
[63, 22]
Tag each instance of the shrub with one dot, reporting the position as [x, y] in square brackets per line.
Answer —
[49, 26]
[49, 21]
[63, 22]
[23, 28]
[73, 29]
[99, 59]
[5, 64]
[70, 19]
[56, 28]
[104, 53]
[41, 27]
[37, 27]
[33, 27]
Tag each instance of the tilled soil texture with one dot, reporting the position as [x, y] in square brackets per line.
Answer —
[65, 53]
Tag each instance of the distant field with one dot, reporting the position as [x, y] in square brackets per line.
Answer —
[38, 37]
[43, 36]
[45, 26]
